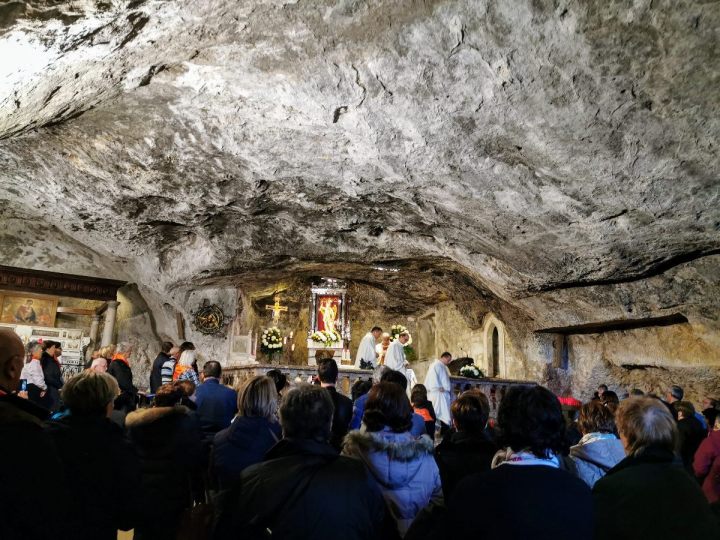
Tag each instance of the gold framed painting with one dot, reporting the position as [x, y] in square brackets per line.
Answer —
[30, 309]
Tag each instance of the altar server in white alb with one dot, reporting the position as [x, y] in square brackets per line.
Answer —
[366, 357]
[439, 389]
[395, 355]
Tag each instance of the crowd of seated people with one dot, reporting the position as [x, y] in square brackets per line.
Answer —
[300, 461]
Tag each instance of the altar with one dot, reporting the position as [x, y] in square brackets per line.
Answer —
[329, 333]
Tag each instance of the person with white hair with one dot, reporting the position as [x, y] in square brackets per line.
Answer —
[185, 368]
[99, 365]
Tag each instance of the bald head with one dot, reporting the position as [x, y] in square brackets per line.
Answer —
[12, 357]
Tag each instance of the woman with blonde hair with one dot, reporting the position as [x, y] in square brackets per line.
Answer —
[252, 433]
[185, 368]
[649, 494]
[97, 459]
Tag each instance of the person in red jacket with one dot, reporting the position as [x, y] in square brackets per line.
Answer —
[706, 464]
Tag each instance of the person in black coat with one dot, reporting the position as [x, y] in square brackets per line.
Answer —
[527, 494]
[691, 432]
[467, 450]
[168, 441]
[328, 374]
[102, 471]
[304, 489]
[254, 432]
[52, 373]
[162, 357]
[30, 469]
[648, 494]
[120, 369]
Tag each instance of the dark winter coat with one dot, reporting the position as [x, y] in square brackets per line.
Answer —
[460, 455]
[304, 491]
[169, 444]
[707, 466]
[216, 406]
[155, 377]
[123, 374]
[103, 475]
[521, 502]
[244, 443]
[32, 484]
[341, 417]
[692, 433]
[53, 380]
[650, 495]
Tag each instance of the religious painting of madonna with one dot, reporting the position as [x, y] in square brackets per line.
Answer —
[30, 309]
[328, 313]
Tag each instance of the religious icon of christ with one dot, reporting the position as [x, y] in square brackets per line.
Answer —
[328, 307]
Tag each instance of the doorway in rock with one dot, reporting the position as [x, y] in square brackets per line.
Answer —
[495, 352]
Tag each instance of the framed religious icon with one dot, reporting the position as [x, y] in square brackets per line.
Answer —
[329, 308]
[29, 309]
[328, 313]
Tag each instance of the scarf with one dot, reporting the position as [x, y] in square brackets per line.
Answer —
[121, 358]
[509, 457]
[593, 437]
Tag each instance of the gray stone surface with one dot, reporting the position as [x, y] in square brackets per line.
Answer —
[552, 162]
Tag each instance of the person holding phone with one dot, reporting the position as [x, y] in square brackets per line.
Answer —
[32, 373]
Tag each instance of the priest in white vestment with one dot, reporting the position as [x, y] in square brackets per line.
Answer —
[439, 388]
[395, 355]
[366, 357]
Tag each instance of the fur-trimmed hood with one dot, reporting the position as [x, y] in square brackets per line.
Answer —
[143, 417]
[394, 459]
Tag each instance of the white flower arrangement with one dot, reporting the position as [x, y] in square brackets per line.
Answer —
[396, 330]
[471, 371]
[326, 337]
[271, 340]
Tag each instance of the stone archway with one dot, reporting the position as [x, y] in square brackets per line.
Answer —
[494, 339]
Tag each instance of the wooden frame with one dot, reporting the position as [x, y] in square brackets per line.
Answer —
[28, 309]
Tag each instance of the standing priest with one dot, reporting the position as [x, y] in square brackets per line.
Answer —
[439, 389]
[366, 357]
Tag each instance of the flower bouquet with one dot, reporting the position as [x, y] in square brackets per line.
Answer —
[471, 371]
[325, 337]
[272, 340]
[396, 330]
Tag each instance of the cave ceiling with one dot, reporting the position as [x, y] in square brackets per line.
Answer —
[526, 147]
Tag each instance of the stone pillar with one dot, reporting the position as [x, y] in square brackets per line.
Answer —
[109, 328]
[93, 336]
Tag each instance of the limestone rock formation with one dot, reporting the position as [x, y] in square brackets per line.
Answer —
[553, 162]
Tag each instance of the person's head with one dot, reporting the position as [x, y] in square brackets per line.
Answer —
[404, 337]
[711, 416]
[471, 412]
[279, 378]
[166, 347]
[418, 395]
[395, 377]
[306, 412]
[530, 418]
[34, 350]
[676, 393]
[186, 386]
[596, 418]
[90, 393]
[187, 358]
[643, 422]
[636, 392]
[602, 389]
[709, 403]
[327, 369]
[187, 346]
[376, 332]
[385, 338]
[446, 358]
[108, 351]
[168, 395]
[258, 398]
[387, 406]
[378, 373]
[49, 346]
[174, 352]
[684, 409]
[58, 350]
[12, 359]
[212, 369]
[610, 400]
[95, 354]
[360, 388]
[99, 365]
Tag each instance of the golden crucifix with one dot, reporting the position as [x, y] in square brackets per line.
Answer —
[276, 308]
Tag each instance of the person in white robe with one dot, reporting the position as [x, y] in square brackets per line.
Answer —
[395, 355]
[439, 388]
[366, 353]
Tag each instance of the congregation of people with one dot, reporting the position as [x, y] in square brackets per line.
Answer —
[195, 458]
